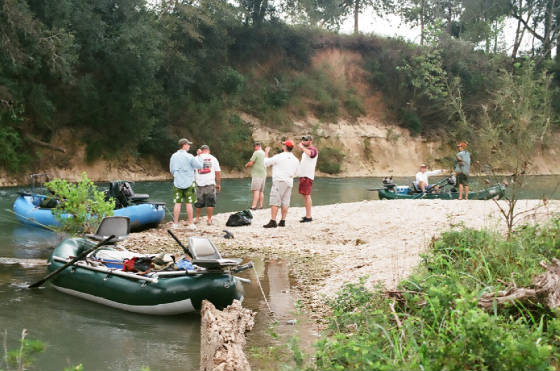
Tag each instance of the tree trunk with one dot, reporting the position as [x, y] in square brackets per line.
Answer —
[356, 15]
[222, 337]
[518, 35]
[422, 7]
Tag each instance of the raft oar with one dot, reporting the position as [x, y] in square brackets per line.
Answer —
[180, 244]
[71, 262]
[376, 189]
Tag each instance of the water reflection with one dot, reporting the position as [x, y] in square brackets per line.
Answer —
[32, 242]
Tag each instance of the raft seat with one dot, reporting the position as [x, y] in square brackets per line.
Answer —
[119, 226]
[205, 254]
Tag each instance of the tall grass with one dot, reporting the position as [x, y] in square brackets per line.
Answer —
[436, 322]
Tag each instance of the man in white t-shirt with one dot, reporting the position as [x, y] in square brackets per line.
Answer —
[307, 165]
[284, 168]
[422, 179]
[207, 180]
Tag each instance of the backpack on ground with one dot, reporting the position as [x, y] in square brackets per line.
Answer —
[240, 218]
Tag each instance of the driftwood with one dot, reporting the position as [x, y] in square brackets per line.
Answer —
[223, 337]
[44, 144]
[546, 289]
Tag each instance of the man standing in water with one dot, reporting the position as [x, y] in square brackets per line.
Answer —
[207, 181]
[462, 169]
[307, 173]
[258, 176]
[284, 169]
[182, 165]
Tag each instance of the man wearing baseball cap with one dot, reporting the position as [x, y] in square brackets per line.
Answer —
[422, 180]
[284, 169]
[182, 165]
[307, 173]
[462, 169]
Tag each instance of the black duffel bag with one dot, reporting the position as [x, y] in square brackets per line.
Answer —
[239, 219]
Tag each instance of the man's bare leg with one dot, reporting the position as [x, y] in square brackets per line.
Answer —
[256, 195]
[176, 213]
[209, 212]
[460, 191]
[308, 203]
[273, 212]
[284, 212]
[189, 213]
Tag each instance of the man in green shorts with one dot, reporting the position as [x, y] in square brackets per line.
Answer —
[182, 166]
[258, 176]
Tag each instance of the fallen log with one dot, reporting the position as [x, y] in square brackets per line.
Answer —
[222, 337]
[546, 289]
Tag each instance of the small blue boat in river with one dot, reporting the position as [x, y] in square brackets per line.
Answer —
[29, 208]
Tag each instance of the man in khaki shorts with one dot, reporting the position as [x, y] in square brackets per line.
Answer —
[284, 169]
[258, 176]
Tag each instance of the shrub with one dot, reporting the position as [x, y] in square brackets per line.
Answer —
[81, 206]
[330, 160]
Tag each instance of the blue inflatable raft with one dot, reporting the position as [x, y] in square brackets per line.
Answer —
[142, 213]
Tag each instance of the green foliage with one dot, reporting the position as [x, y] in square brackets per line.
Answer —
[330, 160]
[132, 76]
[22, 357]
[81, 206]
[12, 155]
[441, 325]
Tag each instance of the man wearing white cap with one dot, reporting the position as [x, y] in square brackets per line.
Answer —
[182, 165]
[422, 179]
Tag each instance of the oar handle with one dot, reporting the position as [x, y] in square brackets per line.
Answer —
[71, 262]
[180, 244]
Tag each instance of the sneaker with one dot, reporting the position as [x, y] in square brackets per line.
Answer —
[282, 223]
[271, 224]
[253, 208]
[305, 219]
[191, 227]
[174, 226]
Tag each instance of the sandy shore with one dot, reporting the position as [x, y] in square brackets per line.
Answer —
[379, 239]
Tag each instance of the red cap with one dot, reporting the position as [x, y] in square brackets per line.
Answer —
[288, 143]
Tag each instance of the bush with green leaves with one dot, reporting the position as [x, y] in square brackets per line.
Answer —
[81, 206]
[330, 160]
[440, 324]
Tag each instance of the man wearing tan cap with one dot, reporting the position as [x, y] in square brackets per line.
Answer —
[182, 165]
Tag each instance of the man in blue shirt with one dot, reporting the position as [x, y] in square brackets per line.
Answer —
[462, 169]
[182, 166]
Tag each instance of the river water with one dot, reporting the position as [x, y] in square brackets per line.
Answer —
[101, 338]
